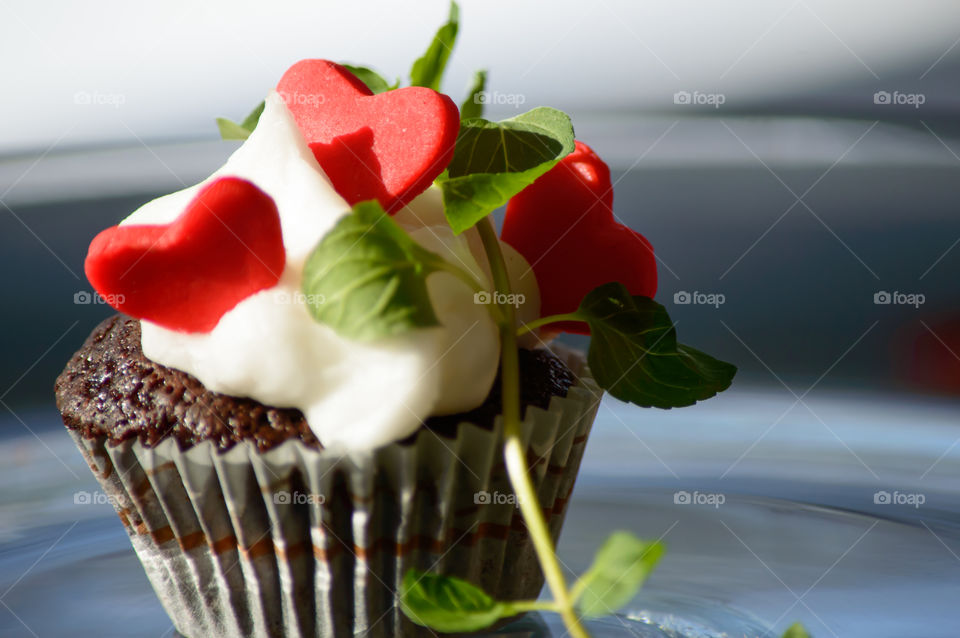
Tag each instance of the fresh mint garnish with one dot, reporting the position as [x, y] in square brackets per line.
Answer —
[230, 130]
[367, 278]
[493, 161]
[428, 69]
[473, 106]
[619, 569]
[634, 354]
[447, 604]
[796, 630]
[374, 81]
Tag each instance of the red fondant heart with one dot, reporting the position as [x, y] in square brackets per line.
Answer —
[185, 275]
[563, 224]
[387, 147]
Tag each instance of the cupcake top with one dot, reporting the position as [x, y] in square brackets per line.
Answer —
[334, 266]
[268, 346]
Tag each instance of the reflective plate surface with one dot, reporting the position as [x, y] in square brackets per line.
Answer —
[844, 514]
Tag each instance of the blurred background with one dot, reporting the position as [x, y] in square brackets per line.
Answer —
[796, 158]
[795, 163]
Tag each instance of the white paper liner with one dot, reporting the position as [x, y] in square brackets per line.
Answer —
[296, 542]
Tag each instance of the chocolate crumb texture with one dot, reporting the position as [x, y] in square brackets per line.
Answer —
[110, 388]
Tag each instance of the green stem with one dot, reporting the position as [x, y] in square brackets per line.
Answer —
[578, 588]
[543, 321]
[514, 455]
[521, 606]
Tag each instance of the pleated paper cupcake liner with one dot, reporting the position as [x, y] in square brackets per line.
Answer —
[301, 543]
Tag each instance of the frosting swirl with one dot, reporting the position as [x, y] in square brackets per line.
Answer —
[355, 396]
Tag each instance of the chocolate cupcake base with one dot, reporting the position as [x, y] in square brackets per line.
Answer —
[301, 542]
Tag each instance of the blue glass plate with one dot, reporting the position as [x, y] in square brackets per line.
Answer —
[817, 518]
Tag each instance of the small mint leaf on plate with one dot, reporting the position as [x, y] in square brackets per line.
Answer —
[367, 278]
[619, 569]
[447, 604]
[428, 69]
[493, 161]
[796, 630]
[230, 130]
[634, 354]
[374, 81]
[473, 106]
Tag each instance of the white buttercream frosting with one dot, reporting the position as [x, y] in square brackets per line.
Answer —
[355, 396]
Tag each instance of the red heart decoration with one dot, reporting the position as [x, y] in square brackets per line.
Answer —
[185, 275]
[563, 224]
[387, 147]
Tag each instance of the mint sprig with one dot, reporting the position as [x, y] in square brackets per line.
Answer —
[367, 278]
[230, 130]
[449, 604]
[429, 68]
[619, 569]
[634, 354]
[374, 81]
[796, 630]
[473, 106]
[493, 161]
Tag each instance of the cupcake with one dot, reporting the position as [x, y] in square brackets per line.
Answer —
[328, 373]
[247, 526]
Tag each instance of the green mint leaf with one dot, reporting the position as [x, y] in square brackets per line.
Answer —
[230, 130]
[250, 122]
[428, 69]
[367, 278]
[473, 106]
[447, 604]
[796, 630]
[493, 161]
[634, 354]
[374, 81]
[619, 569]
